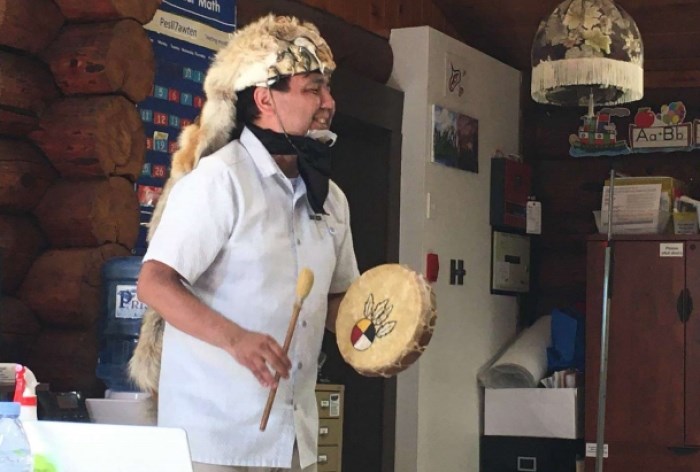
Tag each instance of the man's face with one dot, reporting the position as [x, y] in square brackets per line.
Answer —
[307, 105]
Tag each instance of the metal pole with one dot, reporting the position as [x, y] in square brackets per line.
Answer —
[604, 332]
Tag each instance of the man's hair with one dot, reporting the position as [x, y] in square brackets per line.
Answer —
[246, 109]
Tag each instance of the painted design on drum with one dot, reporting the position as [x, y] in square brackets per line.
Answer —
[374, 324]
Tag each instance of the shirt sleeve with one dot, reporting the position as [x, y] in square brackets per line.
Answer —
[346, 270]
[197, 221]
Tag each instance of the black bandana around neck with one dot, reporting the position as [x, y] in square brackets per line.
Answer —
[313, 160]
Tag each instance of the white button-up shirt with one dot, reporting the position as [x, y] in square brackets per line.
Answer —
[238, 232]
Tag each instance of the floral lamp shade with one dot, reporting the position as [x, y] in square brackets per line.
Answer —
[587, 49]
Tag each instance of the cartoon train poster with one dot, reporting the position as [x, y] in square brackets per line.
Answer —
[665, 131]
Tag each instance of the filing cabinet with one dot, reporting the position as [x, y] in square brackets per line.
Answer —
[330, 403]
[524, 454]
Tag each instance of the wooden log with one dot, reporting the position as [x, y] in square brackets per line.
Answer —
[17, 318]
[113, 57]
[26, 89]
[93, 137]
[67, 360]
[353, 47]
[16, 347]
[90, 213]
[63, 287]
[29, 26]
[672, 79]
[20, 243]
[105, 10]
[24, 176]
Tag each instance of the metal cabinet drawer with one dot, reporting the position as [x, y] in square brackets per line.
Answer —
[329, 432]
[328, 459]
[330, 404]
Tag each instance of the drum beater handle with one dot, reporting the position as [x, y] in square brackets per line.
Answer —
[304, 284]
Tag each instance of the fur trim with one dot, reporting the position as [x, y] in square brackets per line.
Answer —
[257, 55]
[144, 366]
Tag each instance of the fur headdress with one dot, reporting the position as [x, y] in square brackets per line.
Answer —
[258, 54]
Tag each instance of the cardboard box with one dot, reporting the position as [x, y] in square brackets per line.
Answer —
[673, 188]
[533, 412]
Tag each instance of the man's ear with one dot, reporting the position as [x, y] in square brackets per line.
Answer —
[263, 99]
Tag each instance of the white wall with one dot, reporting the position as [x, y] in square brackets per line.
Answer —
[438, 404]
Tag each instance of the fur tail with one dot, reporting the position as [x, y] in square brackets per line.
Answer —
[144, 366]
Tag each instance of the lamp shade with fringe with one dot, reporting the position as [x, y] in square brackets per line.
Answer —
[587, 50]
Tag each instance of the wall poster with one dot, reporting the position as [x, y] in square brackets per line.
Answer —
[185, 35]
[455, 139]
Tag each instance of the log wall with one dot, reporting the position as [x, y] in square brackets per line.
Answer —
[71, 145]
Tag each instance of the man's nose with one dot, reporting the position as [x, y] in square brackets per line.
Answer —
[327, 100]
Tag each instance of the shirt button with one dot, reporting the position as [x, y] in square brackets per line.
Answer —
[303, 323]
[295, 407]
[298, 242]
[299, 366]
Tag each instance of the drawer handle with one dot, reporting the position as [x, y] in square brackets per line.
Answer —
[322, 459]
[527, 464]
[684, 450]
[323, 431]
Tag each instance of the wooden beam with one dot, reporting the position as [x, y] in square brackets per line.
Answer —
[671, 79]
[672, 64]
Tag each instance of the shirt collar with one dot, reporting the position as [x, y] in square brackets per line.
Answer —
[261, 157]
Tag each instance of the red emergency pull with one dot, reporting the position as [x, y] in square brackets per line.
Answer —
[432, 267]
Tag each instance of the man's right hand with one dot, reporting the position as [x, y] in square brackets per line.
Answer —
[159, 287]
[257, 351]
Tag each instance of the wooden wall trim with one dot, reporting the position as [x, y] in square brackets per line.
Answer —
[672, 79]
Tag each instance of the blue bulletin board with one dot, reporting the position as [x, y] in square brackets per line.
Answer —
[186, 34]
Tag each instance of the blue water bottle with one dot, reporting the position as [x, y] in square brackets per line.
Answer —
[120, 323]
[15, 453]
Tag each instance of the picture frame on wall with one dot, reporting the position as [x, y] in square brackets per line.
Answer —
[455, 139]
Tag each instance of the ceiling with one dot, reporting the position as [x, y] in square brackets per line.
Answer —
[504, 29]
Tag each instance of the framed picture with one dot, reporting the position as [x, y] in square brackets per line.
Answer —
[455, 139]
[510, 263]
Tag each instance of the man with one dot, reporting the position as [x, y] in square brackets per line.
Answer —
[231, 238]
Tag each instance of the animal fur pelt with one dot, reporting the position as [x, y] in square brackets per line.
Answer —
[261, 52]
[144, 366]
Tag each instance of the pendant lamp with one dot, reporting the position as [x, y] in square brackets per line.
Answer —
[587, 52]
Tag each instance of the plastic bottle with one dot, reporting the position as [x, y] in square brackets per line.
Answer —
[25, 392]
[15, 453]
[120, 323]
